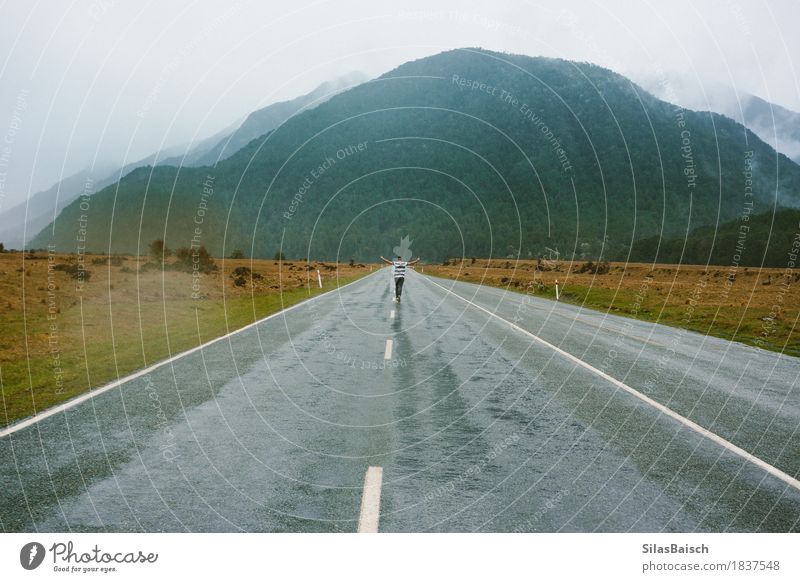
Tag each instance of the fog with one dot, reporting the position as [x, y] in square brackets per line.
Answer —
[107, 82]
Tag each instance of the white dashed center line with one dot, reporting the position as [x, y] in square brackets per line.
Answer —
[387, 354]
[371, 501]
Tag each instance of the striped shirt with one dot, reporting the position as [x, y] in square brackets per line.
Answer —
[399, 269]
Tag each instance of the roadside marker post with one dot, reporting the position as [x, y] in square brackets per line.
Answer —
[319, 278]
[556, 289]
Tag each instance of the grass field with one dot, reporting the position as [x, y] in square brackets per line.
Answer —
[64, 333]
[759, 307]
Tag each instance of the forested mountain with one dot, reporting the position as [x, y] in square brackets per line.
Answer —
[467, 152]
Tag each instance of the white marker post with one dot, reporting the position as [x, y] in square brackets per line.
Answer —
[556, 289]
[319, 278]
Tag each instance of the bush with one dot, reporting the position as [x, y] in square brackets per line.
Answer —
[194, 260]
[237, 254]
[73, 270]
[159, 251]
[600, 268]
[279, 256]
[245, 272]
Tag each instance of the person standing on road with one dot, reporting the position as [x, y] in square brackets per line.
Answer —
[399, 273]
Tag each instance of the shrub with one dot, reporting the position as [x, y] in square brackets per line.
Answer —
[600, 268]
[73, 270]
[194, 259]
[159, 251]
[245, 272]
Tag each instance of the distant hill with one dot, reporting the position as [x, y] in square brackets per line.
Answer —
[467, 152]
[21, 222]
[762, 240]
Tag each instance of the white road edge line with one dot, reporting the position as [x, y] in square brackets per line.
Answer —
[48, 412]
[370, 514]
[387, 353]
[774, 471]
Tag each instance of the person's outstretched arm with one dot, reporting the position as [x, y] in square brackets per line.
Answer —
[414, 261]
[385, 260]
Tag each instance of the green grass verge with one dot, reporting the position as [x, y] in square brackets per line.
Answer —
[142, 336]
[739, 324]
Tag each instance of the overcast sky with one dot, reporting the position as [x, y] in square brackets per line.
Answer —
[107, 81]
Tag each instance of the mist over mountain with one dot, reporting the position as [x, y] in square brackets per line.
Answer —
[265, 120]
[776, 125]
[262, 121]
[23, 221]
[42, 208]
[468, 152]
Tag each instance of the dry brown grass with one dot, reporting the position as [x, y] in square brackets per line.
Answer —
[758, 306]
[126, 317]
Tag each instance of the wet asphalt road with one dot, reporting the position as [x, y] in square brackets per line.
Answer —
[476, 427]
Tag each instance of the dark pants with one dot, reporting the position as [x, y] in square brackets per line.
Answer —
[398, 286]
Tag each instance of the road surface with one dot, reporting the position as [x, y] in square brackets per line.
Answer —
[471, 423]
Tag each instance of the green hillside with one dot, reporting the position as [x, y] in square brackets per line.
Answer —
[764, 240]
[466, 152]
